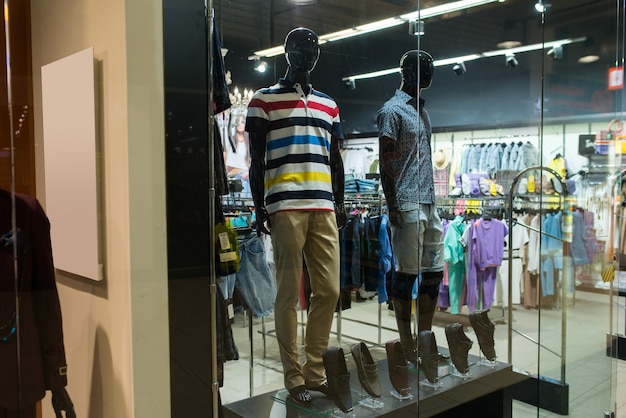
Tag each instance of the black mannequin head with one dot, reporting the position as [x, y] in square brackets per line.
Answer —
[417, 69]
[302, 49]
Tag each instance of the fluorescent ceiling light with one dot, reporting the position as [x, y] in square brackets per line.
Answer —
[442, 9]
[472, 57]
[383, 24]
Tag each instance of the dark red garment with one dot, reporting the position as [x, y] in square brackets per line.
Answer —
[40, 365]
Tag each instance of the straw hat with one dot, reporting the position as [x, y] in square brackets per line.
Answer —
[441, 159]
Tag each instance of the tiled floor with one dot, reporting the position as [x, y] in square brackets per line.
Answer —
[597, 382]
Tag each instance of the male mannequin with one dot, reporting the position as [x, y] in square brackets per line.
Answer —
[41, 364]
[297, 184]
[407, 178]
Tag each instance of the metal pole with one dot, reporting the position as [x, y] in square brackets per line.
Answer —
[209, 15]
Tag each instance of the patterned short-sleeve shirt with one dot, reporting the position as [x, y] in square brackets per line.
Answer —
[400, 121]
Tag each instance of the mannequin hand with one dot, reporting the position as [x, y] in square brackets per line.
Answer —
[262, 221]
[341, 217]
[395, 217]
[61, 402]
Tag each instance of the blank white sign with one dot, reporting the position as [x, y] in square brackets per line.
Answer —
[69, 137]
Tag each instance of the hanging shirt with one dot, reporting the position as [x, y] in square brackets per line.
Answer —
[489, 240]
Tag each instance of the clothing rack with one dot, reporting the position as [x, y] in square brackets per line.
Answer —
[368, 201]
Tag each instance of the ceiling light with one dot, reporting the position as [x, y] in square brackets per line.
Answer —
[508, 44]
[588, 59]
[383, 24]
[541, 6]
[511, 61]
[416, 27]
[260, 66]
[459, 68]
[350, 84]
[472, 57]
[302, 2]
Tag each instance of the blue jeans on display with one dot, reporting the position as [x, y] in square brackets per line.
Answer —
[254, 281]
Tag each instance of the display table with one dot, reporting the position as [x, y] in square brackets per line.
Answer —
[486, 393]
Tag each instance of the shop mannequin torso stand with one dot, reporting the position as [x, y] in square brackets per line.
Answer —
[297, 181]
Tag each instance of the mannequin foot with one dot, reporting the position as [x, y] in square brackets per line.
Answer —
[300, 395]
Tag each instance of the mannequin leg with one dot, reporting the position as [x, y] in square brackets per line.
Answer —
[427, 299]
[402, 301]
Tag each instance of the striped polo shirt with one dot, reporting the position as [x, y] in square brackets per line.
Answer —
[298, 130]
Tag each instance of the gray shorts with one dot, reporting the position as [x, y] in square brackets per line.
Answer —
[418, 245]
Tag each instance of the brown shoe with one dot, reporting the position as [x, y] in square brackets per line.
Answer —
[484, 329]
[338, 378]
[398, 367]
[430, 355]
[459, 345]
[367, 369]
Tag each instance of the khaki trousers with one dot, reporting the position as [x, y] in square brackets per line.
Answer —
[312, 236]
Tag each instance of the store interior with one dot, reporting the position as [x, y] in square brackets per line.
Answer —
[506, 72]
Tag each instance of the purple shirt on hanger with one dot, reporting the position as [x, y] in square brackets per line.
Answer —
[489, 240]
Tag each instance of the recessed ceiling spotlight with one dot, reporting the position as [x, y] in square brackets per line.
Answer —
[541, 6]
[260, 66]
[556, 52]
[508, 44]
[511, 61]
[459, 68]
[588, 59]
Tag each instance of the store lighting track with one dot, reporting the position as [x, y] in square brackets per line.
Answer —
[383, 24]
[472, 57]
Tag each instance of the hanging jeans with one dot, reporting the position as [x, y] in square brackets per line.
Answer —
[254, 281]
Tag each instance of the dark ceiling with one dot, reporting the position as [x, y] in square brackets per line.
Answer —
[489, 94]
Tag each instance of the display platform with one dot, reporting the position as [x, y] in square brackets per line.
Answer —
[486, 391]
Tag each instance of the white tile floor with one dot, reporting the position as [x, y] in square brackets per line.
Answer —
[597, 382]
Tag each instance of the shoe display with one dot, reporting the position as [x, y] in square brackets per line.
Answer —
[338, 378]
[430, 355]
[459, 345]
[485, 330]
[398, 367]
[367, 369]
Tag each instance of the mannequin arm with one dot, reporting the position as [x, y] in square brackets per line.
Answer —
[61, 402]
[388, 178]
[338, 180]
[257, 179]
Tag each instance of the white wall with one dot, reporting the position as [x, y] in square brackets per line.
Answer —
[116, 332]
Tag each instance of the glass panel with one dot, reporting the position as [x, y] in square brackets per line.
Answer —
[517, 122]
[16, 304]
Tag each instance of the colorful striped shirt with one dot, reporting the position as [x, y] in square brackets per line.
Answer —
[298, 129]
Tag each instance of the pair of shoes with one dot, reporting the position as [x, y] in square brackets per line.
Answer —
[398, 367]
[484, 329]
[300, 395]
[338, 378]
[429, 355]
[367, 369]
[459, 345]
